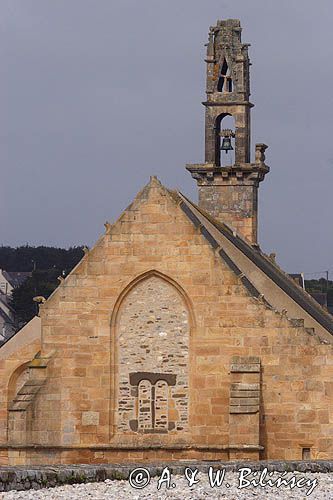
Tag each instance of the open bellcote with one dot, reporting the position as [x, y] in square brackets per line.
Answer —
[229, 193]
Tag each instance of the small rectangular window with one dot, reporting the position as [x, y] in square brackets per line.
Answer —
[306, 453]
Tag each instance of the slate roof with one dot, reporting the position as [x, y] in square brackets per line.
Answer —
[202, 220]
[320, 297]
[16, 278]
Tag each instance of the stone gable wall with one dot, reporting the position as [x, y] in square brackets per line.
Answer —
[80, 330]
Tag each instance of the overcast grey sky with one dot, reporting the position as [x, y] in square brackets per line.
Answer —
[97, 95]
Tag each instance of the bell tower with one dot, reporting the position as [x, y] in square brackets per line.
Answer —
[228, 183]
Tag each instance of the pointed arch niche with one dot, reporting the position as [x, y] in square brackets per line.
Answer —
[150, 328]
[19, 422]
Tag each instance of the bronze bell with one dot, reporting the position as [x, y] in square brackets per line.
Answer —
[226, 145]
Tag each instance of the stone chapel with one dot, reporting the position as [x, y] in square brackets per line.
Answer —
[176, 337]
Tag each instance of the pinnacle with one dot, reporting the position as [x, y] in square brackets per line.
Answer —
[154, 181]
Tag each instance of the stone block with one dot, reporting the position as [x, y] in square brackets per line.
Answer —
[244, 368]
[244, 394]
[244, 409]
[244, 387]
[244, 401]
[90, 418]
[245, 360]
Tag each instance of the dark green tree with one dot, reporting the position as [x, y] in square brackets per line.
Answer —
[321, 285]
[40, 283]
[26, 258]
[46, 264]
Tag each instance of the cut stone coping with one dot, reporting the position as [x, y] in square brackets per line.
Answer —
[45, 476]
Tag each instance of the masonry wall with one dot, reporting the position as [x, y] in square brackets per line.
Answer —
[232, 202]
[14, 357]
[152, 351]
[95, 344]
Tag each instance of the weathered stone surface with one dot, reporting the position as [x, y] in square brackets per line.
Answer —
[244, 394]
[90, 418]
[245, 368]
[244, 401]
[153, 319]
[244, 387]
[255, 360]
[244, 409]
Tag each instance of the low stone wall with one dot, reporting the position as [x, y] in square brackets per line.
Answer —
[37, 477]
